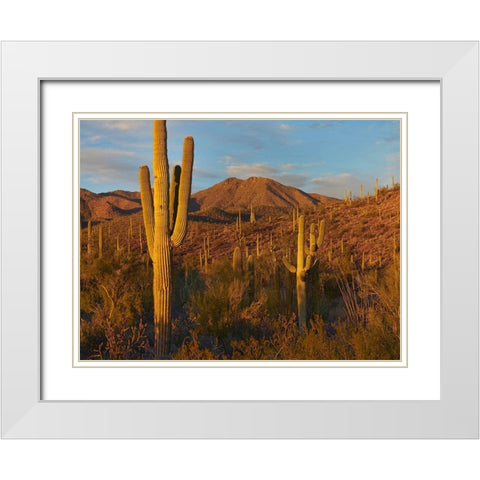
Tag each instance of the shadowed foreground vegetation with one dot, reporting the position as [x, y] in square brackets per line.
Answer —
[249, 311]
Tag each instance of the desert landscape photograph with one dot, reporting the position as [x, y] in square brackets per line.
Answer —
[240, 239]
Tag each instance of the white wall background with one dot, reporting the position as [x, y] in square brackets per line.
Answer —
[240, 20]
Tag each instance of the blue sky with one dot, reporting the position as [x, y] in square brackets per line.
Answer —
[317, 156]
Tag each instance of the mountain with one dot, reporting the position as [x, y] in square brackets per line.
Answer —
[215, 203]
[233, 193]
[366, 230]
[99, 207]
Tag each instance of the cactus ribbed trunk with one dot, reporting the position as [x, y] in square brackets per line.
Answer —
[304, 264]
[162, 261]
[237, 261]
[164, 228]
[301, 275]
[162, 300]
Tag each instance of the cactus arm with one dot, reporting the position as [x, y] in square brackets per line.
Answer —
[173, 203]
[308, 263]
[290, 267]
[180, 228]
[321, 233]
[147, 206]
[313, 244]
[301, 243]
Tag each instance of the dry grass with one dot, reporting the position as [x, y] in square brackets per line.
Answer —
[353, 314]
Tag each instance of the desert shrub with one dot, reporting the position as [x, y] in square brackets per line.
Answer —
[191, 349]
[372, 325]
[115, 298]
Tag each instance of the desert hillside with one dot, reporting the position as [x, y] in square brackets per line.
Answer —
[233, 194]
[366, 227]
[225, 197]
[100, 207]
[246, 308]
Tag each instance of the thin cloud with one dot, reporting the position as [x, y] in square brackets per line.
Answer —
[325, 124]
[339, 179]
[335, 185]
[284, 126]
[124, 124]
[300, 165]
[109, 166]
[201, 173]
[245, 171]
[298, 180]
[393, 158]
[392, 166]
[392, 135]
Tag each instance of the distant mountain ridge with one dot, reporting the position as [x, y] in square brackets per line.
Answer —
[229, 195]
[233, 193]
[99, 207]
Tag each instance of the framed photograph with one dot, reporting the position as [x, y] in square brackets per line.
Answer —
[240, 240]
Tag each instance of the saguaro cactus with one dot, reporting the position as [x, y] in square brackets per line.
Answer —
[164, 228]
[237, 261]
[100, 241]
[251, 277]
[129, 236]
[303, 266]
[316, 242]
[89, 238]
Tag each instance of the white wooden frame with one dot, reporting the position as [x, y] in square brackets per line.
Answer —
[26, 64]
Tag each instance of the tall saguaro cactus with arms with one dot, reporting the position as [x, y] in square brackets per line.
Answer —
[165, 217]
[304, 264]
